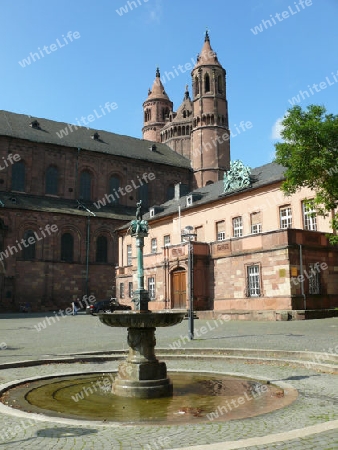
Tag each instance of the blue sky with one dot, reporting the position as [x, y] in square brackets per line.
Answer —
[112, 54]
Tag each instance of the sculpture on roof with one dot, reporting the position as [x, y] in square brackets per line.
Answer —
[237, 177]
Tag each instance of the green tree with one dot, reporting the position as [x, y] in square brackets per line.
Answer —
[310, 155]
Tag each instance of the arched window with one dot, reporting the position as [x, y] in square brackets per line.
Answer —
[18, 176]
[209, 182]
[206, 83]
[101, 249]
[28, 252]
[85, 185]
[165, 113]
[67, 247]
[196, 86]
[219, 84]
[143, 194]
[52, 175]
[114, 184]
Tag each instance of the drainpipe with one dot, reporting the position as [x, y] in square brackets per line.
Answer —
[88, 241]
[87, 255]
[301, 272]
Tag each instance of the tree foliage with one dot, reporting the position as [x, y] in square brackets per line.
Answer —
[310, 155]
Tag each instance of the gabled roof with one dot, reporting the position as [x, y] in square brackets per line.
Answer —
[260, 176]
[46, 132]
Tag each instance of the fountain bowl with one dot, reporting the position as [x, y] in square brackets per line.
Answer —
[142, 319]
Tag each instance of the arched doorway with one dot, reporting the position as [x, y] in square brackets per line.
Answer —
[178, 288]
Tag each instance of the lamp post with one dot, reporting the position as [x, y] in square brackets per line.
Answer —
[188, 236]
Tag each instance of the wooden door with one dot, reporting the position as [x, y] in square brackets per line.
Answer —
[178, 289]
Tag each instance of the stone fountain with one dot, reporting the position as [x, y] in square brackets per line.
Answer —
[141, 375]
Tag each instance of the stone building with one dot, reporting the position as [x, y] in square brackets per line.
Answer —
[253, 253]
[84, 184]
[68, 192]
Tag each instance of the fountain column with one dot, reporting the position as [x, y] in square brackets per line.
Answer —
[141, 295]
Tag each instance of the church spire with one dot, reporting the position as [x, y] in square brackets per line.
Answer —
[207, 56]
[156, 109]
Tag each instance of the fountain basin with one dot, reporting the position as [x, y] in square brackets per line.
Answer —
[198, 398]
[139, 319]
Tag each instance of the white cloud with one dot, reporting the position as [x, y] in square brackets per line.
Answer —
[155, 11]
[276, 129]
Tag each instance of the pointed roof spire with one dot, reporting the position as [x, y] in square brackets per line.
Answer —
[207, 56]
[157, 91]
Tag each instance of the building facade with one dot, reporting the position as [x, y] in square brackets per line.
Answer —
[251, 250]
[84, 186]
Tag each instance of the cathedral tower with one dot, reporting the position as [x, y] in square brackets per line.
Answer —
[156, 110]
[210, 139]
[177, 131]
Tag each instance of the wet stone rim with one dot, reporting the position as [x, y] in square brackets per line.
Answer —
[290, 396]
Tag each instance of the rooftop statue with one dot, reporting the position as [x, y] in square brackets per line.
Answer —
[237, 177]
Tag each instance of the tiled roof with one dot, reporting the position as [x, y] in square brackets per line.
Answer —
[260, 176]
[18, 126]
[10, 200]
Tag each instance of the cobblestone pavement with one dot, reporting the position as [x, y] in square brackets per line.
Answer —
[316, 405]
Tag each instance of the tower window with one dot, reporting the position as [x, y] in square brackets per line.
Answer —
[206, 83]
[219, 84]
[165, 113]
[196, 87]
[147, 115]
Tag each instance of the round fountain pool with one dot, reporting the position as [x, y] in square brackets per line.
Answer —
[197, 397]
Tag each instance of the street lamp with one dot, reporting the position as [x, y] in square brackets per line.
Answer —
[188, 236]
